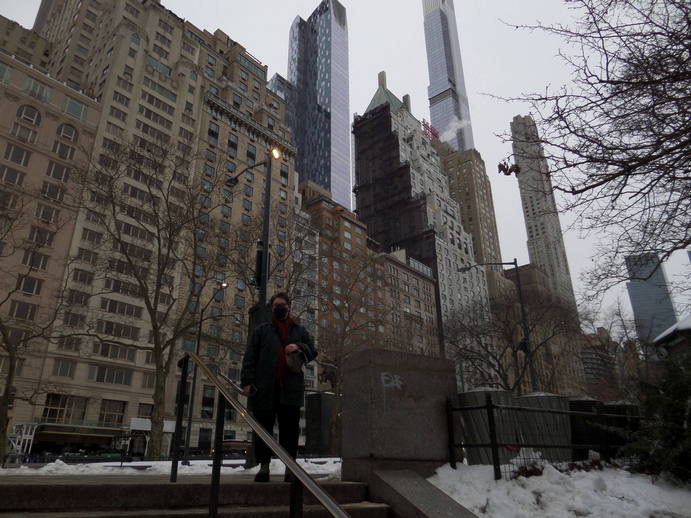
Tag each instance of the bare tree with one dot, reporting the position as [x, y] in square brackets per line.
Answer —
[352, 303]
[30, 220]
[613, 331]
[618, 137]
[292, 257]
[487, 341]
[162, 235]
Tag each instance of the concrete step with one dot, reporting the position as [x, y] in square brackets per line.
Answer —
[122, 493]
[355, 510]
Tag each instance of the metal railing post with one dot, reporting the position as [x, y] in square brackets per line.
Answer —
[331, 506]
[493, 436]
[295, 498]
[452, 436]
[218, 457]
[184, 364]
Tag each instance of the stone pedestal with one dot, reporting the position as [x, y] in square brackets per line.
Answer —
[393, 414]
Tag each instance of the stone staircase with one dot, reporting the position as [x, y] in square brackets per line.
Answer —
[130, 496]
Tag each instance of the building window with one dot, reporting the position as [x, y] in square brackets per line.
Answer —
[62, 409]
[148, 379]
[232, 145]
[35, 260]
[121, 99]
[11, 176]
[41, 236]
[112, 375]
[68, 132]
[29, 285]
[208, 397]
[37, 90]
[23, 310]
[47, 214]
[112, 413]
[63, 150]
[17, 155]
[145, 410]
[251, 154]
[213, 134]
[69, 343]
[29, 114]
[64, 368]
[75, 108]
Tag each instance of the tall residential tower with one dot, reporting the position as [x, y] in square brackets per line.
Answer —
[448, 102]
[545, 240]
[319, 103]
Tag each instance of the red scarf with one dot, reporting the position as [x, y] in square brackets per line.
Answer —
[283, 327]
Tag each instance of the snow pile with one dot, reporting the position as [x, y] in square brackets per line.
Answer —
[611, 493]
[327, 467]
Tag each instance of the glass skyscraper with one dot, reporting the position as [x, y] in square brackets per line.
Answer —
[653, 310]
[448, 102]
[318, 70]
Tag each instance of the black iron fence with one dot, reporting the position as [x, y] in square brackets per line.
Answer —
[519, 436]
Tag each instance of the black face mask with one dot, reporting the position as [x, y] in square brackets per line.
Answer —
[280, 312]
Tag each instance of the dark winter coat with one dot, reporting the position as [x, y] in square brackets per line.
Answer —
[259, 366]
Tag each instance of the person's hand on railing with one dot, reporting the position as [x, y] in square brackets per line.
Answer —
[291, 347]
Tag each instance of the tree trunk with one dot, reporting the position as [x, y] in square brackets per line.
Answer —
[5, 404]
[157, 416]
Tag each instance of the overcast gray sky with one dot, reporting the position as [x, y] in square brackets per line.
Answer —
[388, 35]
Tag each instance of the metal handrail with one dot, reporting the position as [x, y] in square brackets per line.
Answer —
[299, 473]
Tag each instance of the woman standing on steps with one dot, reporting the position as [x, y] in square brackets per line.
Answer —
[273, 380]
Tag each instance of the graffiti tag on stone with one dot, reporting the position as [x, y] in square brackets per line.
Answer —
[389, 380]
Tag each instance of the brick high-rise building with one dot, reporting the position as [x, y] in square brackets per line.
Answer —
[353, 302]
[412, 323]
[165, 87]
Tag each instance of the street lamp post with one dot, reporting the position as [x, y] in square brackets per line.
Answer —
[263, 276]
[257, 313]
[524, 318]
[188, 430]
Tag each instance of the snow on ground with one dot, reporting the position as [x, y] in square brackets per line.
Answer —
[610, 493]
[328, 467]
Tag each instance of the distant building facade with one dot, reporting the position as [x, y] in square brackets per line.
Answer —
[318, 102]
[470, 187]
[448, 101]
[653, 309]
[412, 325]
[24, 45]
[159, 81]
[599, 357]
[545, 238]
[353, 301]
[555, 340]
[47, 131]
